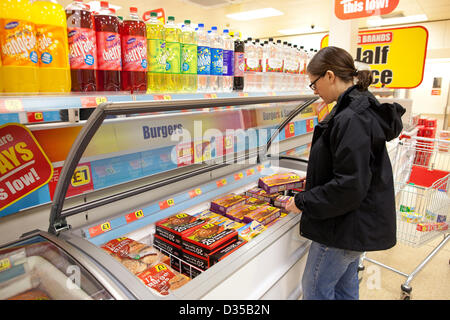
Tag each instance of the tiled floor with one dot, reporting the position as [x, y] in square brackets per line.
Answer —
[431, 283]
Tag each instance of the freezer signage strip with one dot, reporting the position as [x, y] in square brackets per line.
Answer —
[184, 199]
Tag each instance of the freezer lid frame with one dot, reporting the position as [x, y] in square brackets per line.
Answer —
[57, 219]
[114, 288]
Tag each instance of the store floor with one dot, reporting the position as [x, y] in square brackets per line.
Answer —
[432, 283]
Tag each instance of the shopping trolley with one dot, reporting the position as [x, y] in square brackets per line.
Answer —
[421, 169]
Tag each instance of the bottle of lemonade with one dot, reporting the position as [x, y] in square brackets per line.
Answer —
[188, 58]
[156, 54]
[18, 47]
[52, 46]
[173, 56]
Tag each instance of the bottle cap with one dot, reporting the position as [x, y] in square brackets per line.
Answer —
[133, 10]
[171, 18]
[257, 40]
[278, 41]
[104, 4]
[225, 31]
[112, 10]
[201, 25]
[214, 28]
[187, 21]
[270, 39]
[249, 38]
[153, 14]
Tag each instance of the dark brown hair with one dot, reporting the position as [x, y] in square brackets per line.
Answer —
[341, 63]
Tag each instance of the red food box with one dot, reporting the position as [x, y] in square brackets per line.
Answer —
[223, 253]
[207, 239]
[174, 227]
[224, 204]
[280, 182]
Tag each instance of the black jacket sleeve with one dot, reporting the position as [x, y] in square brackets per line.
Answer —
[350, 144]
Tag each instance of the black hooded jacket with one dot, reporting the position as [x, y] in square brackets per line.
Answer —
[348, 202]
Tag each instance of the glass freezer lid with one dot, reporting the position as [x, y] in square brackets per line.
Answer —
[36, 269]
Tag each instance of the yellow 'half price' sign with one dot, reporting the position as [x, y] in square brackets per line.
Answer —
[396, 56]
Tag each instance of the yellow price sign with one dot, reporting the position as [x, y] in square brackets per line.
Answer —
[396, 56]
[5, 264]
[160, 267]
[99, 100]
[105, 226]
[167, 97]
[81, 176]
[38, 116]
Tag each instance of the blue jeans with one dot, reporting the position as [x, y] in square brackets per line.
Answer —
[331, 274]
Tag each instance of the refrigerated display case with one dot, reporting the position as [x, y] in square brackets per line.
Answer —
[268, 266]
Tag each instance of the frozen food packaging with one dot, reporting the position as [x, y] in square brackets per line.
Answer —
[224, 204]
[174, 227]
[208, 238]
[251, 230]
[280, 182]
[162, 279]
[264, 214]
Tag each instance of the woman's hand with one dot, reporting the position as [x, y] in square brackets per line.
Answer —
[291, 207]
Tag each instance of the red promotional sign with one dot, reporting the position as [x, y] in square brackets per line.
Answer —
[353, 9]
[80, 183]
[24, 167]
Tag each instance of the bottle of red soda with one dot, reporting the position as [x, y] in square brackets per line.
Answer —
[134, 53]
[109, 55]
[82, 46]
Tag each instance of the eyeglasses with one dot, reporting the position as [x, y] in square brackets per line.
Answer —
[312, 85]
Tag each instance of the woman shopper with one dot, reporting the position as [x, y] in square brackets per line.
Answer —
[348, 205]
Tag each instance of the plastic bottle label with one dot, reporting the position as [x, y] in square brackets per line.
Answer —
[18, 43]
[228, 63]
[203, 60]
[274, 65]
[188, 58]
[156, 56]
[109, 53]
[134, 53]
[251, 64]
[51, 46]
[173, 53]
[82, 48]
[239, 64]
[216, 61]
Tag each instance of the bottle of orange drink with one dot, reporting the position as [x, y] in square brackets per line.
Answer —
[52, 46]
[18, 47]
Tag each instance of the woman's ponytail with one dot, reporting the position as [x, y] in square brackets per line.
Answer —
[364, 79]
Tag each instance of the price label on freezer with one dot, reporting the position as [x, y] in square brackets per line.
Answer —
[81, 176]
[133, 216]
[221, 182]
[5, 264]
[195, 192]
[97, 230]
[11, 105]
[250, 172]
[238, 176]
[99, 100]
[260, 167]
[166, 204]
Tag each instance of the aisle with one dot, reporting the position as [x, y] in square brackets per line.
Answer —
[432, 283]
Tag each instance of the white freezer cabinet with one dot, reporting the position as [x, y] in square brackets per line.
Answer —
[269, 266]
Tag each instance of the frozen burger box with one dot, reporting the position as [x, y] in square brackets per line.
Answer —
[207, 239]
[256, 202]
[174, 227]
[280, 182]
[224, 204]
[239, 214]
[221, 254]
[264, 215]
[267, 197]
[281, 201]
[204, 263]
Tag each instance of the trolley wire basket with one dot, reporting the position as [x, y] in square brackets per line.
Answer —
[421, 170]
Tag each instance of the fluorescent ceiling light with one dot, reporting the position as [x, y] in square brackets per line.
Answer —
[378, 21]
[300, 30]
[255, 14]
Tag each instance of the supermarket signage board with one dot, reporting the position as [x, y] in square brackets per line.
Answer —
[354, 9]
[396, 56]
[24, 167]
